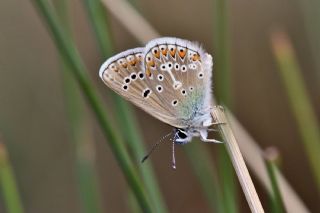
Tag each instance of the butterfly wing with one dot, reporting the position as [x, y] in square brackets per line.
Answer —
[179, 72]
[124, 74]
[170, 79]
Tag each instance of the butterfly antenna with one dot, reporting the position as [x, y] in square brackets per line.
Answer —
[155, 146]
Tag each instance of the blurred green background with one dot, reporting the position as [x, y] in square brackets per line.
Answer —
[34, 120]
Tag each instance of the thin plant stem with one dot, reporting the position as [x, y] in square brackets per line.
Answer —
[67, 50]
[132, 21]
[8, 183]
[300, 104]
[311, 15]
[239, 165]
[272, 157]
[253, 154]
[222, 55]
[206, 172]
[80, 129]
[124, 111]
[224, 96]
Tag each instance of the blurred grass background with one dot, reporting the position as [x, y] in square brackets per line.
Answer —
[34, 119]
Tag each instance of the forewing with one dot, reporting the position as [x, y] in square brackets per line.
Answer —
[179, 72]
[124, 74]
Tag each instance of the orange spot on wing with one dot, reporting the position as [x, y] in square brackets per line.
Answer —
[125, 65]
[164, 51]
[148, 72]
[114, 68]
[172, 51]
[182, 53]
[133, 62]
[156, 53]
[151, 63]
[196, 57]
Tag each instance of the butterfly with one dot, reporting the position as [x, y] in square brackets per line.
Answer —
[170, 79]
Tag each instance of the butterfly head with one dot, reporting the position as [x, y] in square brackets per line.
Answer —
[182, 136]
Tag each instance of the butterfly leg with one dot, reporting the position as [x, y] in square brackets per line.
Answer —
[204, 137]
[173, 155]
[209, 122]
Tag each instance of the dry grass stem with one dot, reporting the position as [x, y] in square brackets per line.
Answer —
[237, 160]
[253, 155]
[136, 24]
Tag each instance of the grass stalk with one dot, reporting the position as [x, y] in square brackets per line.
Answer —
[80, 130]
[224, 96]
[311, 15]
[206, 172]
[8, 183]
[300, 104]
[124, 111]
[237, 160]
[253, 155]
[222, 54]
[67, 49]
[272, 157]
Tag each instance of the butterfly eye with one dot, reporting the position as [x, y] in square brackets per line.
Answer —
[183, 68]
[182, 135]
[200, 75]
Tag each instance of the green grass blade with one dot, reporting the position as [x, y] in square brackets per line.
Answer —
[223, 94]
[301, 107]
[67, 50]
[124, 111]
[222, 55]
[204, 168]
[271, 160]
[80, 130]
[311, 15]
[8, 185]
[227, 181]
